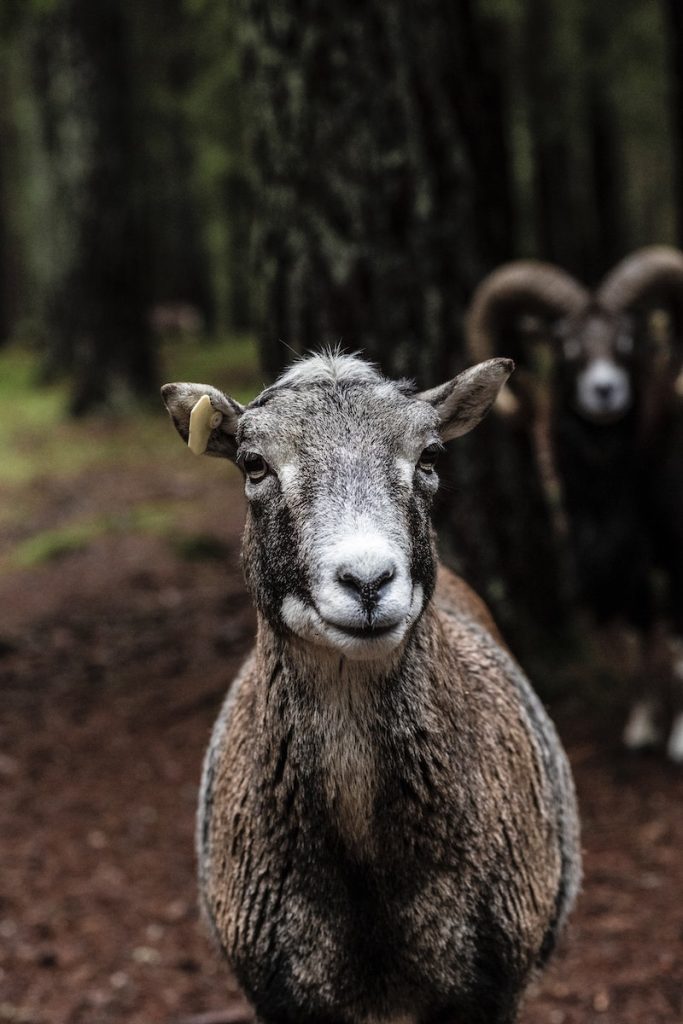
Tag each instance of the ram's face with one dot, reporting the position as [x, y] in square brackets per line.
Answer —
[595, 365]
[340, 472]
[340, 483]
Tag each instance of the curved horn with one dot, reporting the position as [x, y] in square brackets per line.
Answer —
[656, 269]
[524, 284]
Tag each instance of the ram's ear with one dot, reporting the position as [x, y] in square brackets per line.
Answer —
[464, 401]
[205, 418]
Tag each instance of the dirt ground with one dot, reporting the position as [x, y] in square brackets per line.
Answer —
[113, 661]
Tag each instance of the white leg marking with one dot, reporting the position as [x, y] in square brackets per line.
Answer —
[674, 747]
[641, 729]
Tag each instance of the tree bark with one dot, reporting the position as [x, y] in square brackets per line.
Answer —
[9, 263]
[673, 15]
[5, 275]
[384, 176]
[100, 311]
[165, 66]
[610, 241]
[559, 214]
[384, 194]
[609, 237]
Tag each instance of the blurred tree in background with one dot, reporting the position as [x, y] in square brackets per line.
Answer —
[93, 135]
[317, 172]
[372, 162]
[383, 173]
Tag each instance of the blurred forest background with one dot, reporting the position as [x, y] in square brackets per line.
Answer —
[310, 172]
[319, 171]
[192, 189]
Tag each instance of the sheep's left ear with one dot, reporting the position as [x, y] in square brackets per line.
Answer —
[464, 401]
[205, 418]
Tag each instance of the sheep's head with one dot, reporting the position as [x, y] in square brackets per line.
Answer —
[600, 342]
[595, 364]
[339, 470]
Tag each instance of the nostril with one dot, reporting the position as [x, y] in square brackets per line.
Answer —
[604, 390]
[349, 580]
[366, 588]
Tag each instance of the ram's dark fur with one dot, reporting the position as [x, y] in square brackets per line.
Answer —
[620, 476]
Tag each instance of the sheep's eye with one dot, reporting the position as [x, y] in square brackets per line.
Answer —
[427, 460]
[255, 466]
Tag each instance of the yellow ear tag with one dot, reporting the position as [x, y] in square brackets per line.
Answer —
[203, 419]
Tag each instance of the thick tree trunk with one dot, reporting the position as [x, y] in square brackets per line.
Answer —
[240, 212]
[100, 313]
[673, 14]
[5, 276]
[9, 269]
[377, 133]
[384, 185]
[165, 68]
[559, 213]
[478, 86]
[610, 241]
[609, 237]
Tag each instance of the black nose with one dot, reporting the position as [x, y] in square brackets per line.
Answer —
[604, 390]
[368, 591]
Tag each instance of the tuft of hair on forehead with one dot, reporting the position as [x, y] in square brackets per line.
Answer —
[331, 368]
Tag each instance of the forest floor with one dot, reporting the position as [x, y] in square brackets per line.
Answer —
[124, 618]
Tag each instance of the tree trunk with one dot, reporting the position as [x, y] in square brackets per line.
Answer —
[100, 314]
[384, 178]
[610, 233]
[609, 237]
[673, 13]
[165, 68]
[559, 213]
[384, 194]
[5, 276]
[9, 268]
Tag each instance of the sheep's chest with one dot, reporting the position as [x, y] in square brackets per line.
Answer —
[347, 895]
[323, 929]
[344, 869]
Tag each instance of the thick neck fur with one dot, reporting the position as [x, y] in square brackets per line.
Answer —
[594, 445]
[596, 461]
[342, 725]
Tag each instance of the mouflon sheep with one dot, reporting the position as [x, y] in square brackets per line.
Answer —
[614, 437]
[387, 826]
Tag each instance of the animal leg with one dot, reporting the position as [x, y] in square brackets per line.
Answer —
[674, 746]
[643, 728]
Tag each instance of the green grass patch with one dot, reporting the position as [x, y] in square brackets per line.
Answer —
[37, 438]
[201, 547]
[230, 363]
[24, 403]
[51, 545]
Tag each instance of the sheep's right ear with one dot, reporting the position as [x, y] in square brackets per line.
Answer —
[204, 417]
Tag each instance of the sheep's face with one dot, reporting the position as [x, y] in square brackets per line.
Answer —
[340, 474]
[595, 364]
[340, 477]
